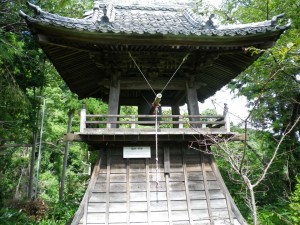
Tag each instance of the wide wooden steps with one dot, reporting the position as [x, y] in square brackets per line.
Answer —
[184, 187]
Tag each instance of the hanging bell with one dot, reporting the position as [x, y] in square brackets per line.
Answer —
[156, 105]
[143, 109]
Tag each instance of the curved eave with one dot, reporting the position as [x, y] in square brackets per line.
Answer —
[105, 34]
[260, 40]
[214, 59]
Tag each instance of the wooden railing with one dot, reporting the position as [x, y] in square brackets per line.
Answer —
[148, 121]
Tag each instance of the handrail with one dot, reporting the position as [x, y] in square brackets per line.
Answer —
[152, 116]
[136, 121]
[151, 122]
[171, 121]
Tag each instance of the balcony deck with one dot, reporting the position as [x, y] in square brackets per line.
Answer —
[96, 129]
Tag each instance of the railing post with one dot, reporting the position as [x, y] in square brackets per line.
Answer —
[133, 120]
[82, 118]
[181, 122]
[226, 118]
[108, 125]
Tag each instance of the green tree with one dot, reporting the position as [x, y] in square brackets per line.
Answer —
[271, 86]
[295, 204]
[25, 74]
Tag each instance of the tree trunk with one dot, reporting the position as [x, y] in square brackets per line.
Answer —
[252, 199]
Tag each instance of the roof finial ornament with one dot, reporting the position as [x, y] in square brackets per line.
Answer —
[275, 19]
[104, 18]
[209, 23]
[37, 9]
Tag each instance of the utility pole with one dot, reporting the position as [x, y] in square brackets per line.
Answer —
[65, 163]
[267, 9]
[32, 158]
[40, 150]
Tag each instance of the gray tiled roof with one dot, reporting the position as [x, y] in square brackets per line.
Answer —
[150, 19]
[84, 51]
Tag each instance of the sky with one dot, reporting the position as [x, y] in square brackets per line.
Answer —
[236, 106]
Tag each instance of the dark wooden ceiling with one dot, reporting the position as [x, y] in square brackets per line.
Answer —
[89, 60]
[88, 69]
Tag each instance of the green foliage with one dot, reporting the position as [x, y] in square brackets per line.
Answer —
[10, 216]
[275, 214]
[25, 74]
[209, 112]
[237, 190]
[271, 86]
[59, 213]
[295, 203]
[271, 194]
[69, 8]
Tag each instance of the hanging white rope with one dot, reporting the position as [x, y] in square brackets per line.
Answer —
[183, 60]
[156, 146]
[156, 104]
[141, 72]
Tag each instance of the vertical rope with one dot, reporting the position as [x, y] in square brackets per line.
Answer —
[156, 146]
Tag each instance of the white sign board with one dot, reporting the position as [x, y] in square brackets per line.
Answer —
[137, 152]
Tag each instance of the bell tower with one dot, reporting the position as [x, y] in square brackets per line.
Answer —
[151, 55]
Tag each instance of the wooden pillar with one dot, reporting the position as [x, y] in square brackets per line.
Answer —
[113, 102]
[175, 111]
[192, 99]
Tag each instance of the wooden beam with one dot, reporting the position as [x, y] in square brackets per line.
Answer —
[83, 206]
[186, 183]
[167, 178]
[127, 191]
[203, 41]
[121, 49]
[141, 84]
[167, 159]
[229, 200]
[148, 194]
[206, 188]
[107, 200]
